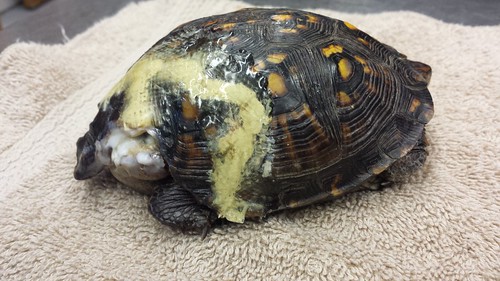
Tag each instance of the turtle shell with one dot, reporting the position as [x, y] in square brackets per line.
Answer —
[264, 109]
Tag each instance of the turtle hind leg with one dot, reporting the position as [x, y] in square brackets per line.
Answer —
[176, 207]
[413, 161]
[401, 169]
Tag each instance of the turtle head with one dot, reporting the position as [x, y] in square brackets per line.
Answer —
[132, 155]
[87, 164]
[88, 152]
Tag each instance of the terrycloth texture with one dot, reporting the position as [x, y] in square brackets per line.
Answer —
[442, 224]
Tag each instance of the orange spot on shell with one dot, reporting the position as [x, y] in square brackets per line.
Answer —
[189, 110]
[335, 191]
[210, 131]
[304, 112]
[276, 58]
[343, 98]
[209, 23]
[366, 68]
[228, 26]
[307, 111]
[187, 138]
[360, 60]
[293, 70]
[346, 132]
[312, 18]
[422, 72]
[258, 66]
[371, 87]
[363, 41]
[233, 39]
[345, 68]
[174, 44]
[350, 26]
[288, 30]
[282, 17]
[288, 140]
[277, 85]
[414, 104]
[282, 120]
[332, 49]
[191, 147]
[379, 169]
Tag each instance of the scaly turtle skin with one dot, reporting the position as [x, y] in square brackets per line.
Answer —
[239, 115]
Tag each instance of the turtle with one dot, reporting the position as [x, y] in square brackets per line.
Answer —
[236, 116]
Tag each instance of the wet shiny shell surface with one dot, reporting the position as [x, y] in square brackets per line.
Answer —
[341, 106]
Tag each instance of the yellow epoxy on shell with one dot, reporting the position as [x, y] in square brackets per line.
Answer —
[137, 113]
[332, 49]
[235, 152]
[236, 148]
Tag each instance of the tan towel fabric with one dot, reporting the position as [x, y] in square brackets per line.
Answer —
[443, 224]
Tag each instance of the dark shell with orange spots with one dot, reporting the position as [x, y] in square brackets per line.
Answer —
[342, 108]
[344, 105]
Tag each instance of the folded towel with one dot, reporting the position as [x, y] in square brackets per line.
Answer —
[441, 224]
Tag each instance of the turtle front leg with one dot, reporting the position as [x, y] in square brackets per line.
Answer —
[176, 207]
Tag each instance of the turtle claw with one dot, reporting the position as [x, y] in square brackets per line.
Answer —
[176, 207]
[204, 232]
